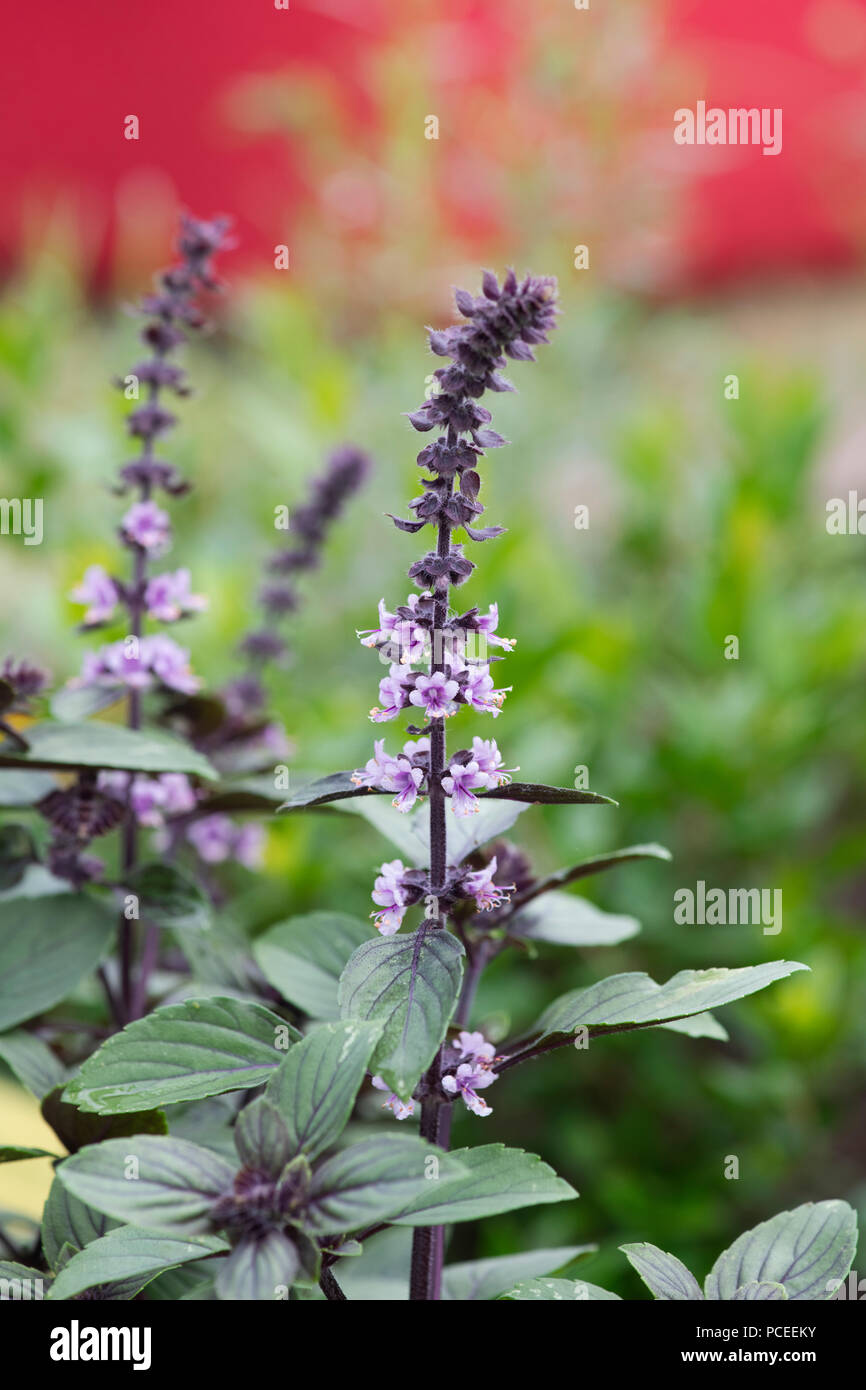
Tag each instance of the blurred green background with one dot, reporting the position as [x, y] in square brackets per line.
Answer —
[707, 518]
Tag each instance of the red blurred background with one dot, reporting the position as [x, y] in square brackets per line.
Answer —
[296, 117]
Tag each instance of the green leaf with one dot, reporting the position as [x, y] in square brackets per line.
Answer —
[159, 1183]
[555, 1290]
[262, 1137]
[32, 1061]
[46, 945]
[373, 1180]
[537, 794]
[498, 1179]
[410, 985]
[315, 1086]
[76, 1129]
[24, 788]
[243, 794]
[73, 703]
[169, 898]
[761, 1289]
[258, 1270]
[482, 1280]
[587, 867]
[12, 1153]
[303, 957]
[202, 1047]
[410, 831]
[334, 787]
[127, 1259]
[665, 1276]
[699, 1026]
[68, 1222]
[809, 1250]
[565, 920]
[104, 745]
[623, 1002]
[17, 852]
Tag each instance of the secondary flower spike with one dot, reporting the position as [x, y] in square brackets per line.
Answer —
[440, 660]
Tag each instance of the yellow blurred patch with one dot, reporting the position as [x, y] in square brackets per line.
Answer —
[24, 1186]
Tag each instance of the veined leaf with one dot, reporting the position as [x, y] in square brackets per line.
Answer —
[562, 919]
[14, 1153]
[557, 1290]
[665, 1276]
[629, 1001]
[303, 958]
[69, 1223]
[498, 1179]
[809, 1250]
[127, 1259]
[374, 1179]
[169, 897]
[160, 1183]
[258, 1268]
[202, 1047]
[32, 1061]
[761, 1290]
[479, 1280]
[410, 831]
[315, 1086]
[46, 945]
[410, 985]
[537, 794]
[586, 867]
[104, 745]
[76, 1128]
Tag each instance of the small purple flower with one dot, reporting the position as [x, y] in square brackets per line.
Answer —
[404, 779]
[465, 1082]
[489, 759]
[462, 778]
[179, 793]
[371, 774]
[168, 597]
[481, 887]
[402, 1108]
[169, 663]
[249, 845]
[488, 624]
[435, 694]
[475, 1048]
[98, 590]
[217, 838]
[147, 526]
[394, 694]
[157, 657]
[389, 896]
[114, 665]
[405, 640]
[479, 691]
